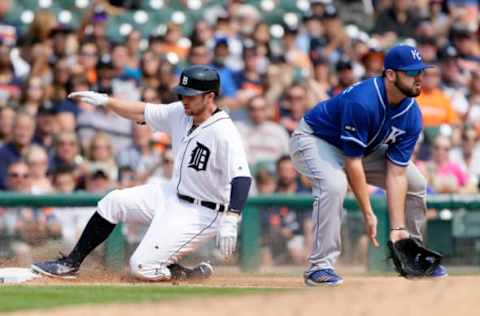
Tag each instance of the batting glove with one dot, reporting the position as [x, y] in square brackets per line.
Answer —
[227, 234]
[90, 97]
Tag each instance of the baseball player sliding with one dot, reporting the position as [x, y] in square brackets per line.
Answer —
[364, 135]
[204, 199]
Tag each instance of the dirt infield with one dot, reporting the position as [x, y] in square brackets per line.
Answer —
[359, 295]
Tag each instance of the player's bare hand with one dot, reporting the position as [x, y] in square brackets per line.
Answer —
[396, 235]
[90, 97]
[227, 234]
[370, 222]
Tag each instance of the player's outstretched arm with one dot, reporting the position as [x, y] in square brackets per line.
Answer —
[133, 110]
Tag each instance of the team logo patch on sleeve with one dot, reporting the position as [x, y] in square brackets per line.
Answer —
[199, 157]
[350, 128]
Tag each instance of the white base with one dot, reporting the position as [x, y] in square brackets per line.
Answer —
[17, 275]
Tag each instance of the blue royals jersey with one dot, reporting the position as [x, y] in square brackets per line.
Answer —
[360, 119]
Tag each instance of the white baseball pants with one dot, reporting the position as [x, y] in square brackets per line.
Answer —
[176, 227]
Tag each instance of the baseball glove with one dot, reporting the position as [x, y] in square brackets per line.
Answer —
[412, 259]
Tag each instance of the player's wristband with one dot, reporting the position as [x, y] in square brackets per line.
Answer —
[398, 228]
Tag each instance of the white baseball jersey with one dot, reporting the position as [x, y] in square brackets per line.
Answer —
[208, 159]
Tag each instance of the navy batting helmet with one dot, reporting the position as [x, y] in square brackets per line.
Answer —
[198, 79]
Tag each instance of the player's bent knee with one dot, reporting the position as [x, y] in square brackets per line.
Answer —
[108, 207]
[418, 187]
[149, 272]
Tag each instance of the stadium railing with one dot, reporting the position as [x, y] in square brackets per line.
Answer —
[439, 231]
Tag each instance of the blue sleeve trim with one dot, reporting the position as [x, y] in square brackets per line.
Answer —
[353, 139]
[399, 163]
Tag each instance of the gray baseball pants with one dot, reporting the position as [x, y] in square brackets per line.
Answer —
[323, 164]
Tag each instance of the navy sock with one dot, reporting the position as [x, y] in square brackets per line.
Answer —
[97, 230]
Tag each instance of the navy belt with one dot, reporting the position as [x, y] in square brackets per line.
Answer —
[211, 205]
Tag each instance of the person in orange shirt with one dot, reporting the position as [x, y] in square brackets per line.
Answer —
[171, 42]
[435, 105]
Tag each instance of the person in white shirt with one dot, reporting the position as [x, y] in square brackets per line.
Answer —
[264, 139]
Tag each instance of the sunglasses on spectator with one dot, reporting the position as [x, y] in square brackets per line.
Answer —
[19, 175]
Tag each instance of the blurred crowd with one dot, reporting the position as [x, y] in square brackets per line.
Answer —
[271, 73]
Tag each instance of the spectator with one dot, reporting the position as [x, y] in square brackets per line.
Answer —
[199, 54]
[151, 95]
[94, 27]
[263, 139]
[63, 179]
[100, 154]
[133, 47]
[66, 154]
[37, 161]
[72, 220]
[140, 156]
[472, 116]
[337, 39]
[466, 43]
[428, 48]
[468, 156]
[98, 180]
[61, 75]
[250, 81]
[127, 178]
[23, 128]
[398, 20]
[7, 117]
[171, 42]
[373, 62]
[31, 228]
[445, 175]
[18, 177]
[62, 38]
[202, 33]
[453, 80]
[318, 82]
[261, 38]
[34, 95]
[435, 105]
[265, 184]
[292, 53]
[228, 88]
[10, 84]
[150, 67]
[287, 225]
[105, 75]
[345, 75]
[87, 61]
[121, 68]
[46, 126]
[165, 175]
[296, 104]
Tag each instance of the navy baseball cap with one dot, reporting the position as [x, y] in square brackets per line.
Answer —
[404, 57]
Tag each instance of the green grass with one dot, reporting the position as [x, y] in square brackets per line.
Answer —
[14, 298]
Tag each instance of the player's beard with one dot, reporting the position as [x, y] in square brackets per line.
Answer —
[409, 91]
